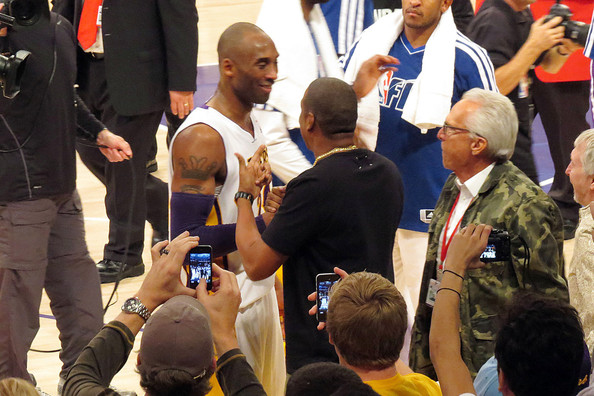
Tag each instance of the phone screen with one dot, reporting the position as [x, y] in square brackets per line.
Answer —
[200, 266]
[324, 284]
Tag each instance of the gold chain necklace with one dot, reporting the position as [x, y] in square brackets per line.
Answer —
[333, 151]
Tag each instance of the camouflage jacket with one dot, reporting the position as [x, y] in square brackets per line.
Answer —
[509, 201]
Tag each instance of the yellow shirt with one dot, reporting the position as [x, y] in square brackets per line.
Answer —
[406, 385]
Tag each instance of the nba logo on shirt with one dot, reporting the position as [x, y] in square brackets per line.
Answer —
[384, 87]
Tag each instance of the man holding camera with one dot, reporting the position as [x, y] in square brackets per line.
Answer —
[506, 29]
[477, 142]
[42, 237]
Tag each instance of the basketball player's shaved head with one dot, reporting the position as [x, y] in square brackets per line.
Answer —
[333, 104]
[235, 41]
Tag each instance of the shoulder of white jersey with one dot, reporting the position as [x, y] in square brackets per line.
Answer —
[475, 59]
[589, 48]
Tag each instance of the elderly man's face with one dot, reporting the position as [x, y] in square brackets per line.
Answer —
[583, 184]
[455, 144]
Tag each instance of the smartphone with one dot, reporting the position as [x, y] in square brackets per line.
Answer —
[324, 283]
[498, 247]
[199, 265]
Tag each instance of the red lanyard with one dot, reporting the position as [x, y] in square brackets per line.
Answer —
[446, 242]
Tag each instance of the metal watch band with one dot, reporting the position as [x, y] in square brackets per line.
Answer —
[134, 305]
[243, 194]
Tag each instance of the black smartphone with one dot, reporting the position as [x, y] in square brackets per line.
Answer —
[498, 247]
[324, 283]
[199, 265]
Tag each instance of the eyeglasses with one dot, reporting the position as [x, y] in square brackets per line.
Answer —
[449, 130]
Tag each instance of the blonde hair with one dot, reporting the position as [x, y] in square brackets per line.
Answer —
[17, 387]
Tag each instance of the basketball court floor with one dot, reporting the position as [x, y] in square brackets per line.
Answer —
[215, 16]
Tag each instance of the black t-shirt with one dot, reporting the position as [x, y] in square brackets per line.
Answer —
[342, 212]
[502, 32]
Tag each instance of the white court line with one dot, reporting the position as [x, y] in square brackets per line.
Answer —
[546, 182]
[103, 219]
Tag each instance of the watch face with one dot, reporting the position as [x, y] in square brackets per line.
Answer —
[131, 304]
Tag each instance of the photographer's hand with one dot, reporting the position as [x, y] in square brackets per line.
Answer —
[313, 297]
[3, 31]
[222, 307]
[116, 148]
[467, 246]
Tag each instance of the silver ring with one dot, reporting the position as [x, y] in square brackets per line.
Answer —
[164, 251]
[186, 104]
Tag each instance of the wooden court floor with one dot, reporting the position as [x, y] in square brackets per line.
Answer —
[215, 16]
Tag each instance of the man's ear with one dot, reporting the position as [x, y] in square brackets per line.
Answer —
[445, 4]
[503, 387]
[227, 67]
[310, 121]
[478, 146]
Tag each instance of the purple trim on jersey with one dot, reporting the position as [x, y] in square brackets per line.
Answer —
[189, 212]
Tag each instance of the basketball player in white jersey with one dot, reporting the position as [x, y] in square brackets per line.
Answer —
[205, 179]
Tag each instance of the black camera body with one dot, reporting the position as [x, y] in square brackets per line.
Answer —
[498, 247]
[24, 12]
[574, 30]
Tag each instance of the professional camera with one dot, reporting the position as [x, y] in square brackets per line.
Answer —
[574, 30]
[11, 72]
[25, 12]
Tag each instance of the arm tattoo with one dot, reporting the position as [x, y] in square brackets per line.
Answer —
[197, 168]
[186, 188]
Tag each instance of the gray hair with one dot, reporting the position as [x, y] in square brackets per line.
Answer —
[495, 120]
[587, 137]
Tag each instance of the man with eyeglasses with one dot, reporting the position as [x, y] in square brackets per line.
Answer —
[477, 141]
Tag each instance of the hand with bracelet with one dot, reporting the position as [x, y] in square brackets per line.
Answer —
[254, 175]
[444, 336]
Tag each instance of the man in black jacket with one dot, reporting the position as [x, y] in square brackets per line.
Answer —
[141, 60]
[42, 240]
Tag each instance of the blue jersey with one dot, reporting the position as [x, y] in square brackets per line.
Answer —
[417, 155]
[346, 20]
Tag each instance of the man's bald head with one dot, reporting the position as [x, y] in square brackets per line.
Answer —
[232, 43]
[333, 104]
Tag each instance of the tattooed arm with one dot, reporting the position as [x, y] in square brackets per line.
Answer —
[198, 166]
[198, 156]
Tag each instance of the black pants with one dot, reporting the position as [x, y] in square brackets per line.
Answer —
[130, 188]
[562, 107]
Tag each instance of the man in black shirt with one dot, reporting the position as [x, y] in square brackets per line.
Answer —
[344, 212]
[515, 43]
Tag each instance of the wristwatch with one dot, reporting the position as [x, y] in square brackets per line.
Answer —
[134, 305]
[245, 195]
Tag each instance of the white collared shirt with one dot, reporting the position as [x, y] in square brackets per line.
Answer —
[468, 192]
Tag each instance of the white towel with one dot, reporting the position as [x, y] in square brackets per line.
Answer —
[430, 98]
[298, 64]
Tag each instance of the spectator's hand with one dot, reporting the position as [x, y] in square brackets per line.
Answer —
[371, 70]
[274, 199]
[467, 246]
[255, 174]
[117, 148]
[163, 280]
[545, 35]
[182, 102]
[222, 306]
[313, 296]
[3, 31]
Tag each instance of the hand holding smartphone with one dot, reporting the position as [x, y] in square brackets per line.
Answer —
[324, 283]
[198, 265]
